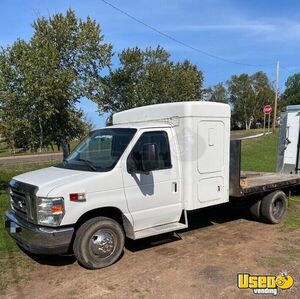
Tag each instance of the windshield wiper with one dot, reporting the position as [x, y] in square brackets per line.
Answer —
[89, 163]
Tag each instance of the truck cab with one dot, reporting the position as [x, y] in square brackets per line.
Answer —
[136, 178]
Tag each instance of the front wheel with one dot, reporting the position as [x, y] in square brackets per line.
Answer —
[274, 207]
[99, 243]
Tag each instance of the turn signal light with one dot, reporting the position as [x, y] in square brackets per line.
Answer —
[57, 209]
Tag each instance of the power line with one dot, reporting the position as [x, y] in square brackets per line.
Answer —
[181, 42]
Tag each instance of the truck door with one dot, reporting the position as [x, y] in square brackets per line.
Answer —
[153, 199]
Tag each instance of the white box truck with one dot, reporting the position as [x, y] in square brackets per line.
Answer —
[137, 178]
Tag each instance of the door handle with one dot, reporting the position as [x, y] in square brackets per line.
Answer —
[174, 187]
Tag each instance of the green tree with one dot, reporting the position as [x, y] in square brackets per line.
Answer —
[14, 111]
[61, 63]
[291, 95]
[248, 95]
[217, 93]
[149, 77]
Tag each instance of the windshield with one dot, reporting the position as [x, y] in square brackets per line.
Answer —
[100, 151]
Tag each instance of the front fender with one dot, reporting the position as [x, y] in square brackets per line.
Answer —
[105, 199]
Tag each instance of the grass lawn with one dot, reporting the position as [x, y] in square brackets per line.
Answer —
[293, 220]
[247, 132]
[14, 265]
[6, 243]
[259, 154]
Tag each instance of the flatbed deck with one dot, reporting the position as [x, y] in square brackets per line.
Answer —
[247, 183]
[256, 182]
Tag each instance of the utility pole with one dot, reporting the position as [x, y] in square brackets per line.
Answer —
[276, 97]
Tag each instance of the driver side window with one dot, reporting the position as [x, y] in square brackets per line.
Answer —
[160, 138]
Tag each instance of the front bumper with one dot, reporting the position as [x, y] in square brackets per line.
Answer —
[38, 239]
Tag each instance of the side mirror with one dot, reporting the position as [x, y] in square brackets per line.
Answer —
[149, 157]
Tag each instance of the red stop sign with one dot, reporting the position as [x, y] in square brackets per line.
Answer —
[267, 109]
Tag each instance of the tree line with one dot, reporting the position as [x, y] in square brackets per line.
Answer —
[67, 59]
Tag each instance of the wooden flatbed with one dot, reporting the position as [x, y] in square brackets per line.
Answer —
[256, 182]
[250, 183]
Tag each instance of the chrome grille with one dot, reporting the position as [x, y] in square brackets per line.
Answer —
[18, 201]
[23, 199]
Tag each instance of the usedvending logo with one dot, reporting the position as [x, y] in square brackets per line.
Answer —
[265, 284]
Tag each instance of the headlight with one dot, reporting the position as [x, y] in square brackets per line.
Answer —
[50, 211]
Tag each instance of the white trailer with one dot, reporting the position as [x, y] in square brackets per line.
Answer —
[138, 178]
[289, 140]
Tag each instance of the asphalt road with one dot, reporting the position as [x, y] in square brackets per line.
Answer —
[30, 158]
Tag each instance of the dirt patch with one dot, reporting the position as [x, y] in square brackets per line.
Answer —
[202, 264]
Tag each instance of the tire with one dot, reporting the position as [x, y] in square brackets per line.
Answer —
[255, 210]
[99, 242]
[274, 207]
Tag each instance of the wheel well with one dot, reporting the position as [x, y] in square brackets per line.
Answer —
[110, 212]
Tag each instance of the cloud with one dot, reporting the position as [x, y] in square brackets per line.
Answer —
[208, 16]
[284, 30]
[269, 29]
[251, 27]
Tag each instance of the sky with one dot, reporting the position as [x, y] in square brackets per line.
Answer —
[257, 32]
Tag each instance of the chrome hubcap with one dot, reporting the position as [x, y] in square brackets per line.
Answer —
[102, 243]
[277, 208]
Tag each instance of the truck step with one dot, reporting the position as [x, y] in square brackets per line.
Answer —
[161, 229]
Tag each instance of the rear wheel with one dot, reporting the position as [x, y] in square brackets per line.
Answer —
[99, 243]
[274, 207]
[255, 210]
